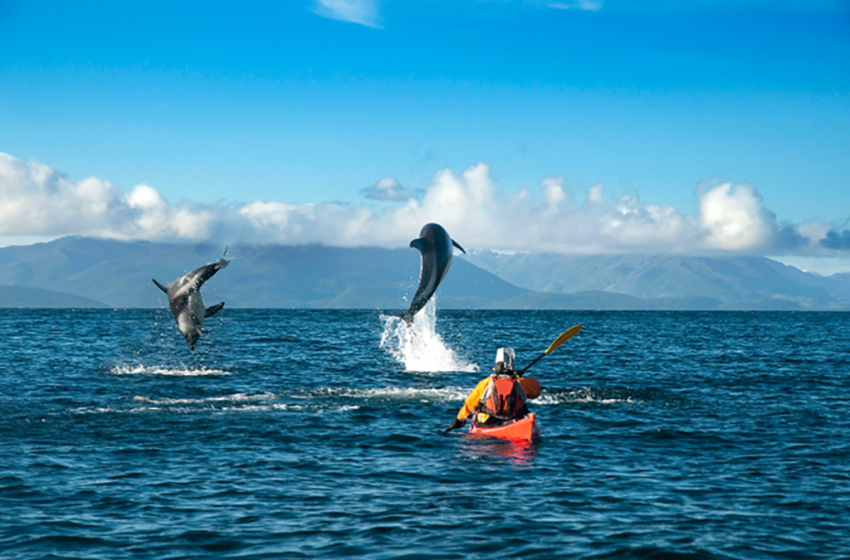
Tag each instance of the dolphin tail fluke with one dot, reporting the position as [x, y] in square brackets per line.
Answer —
[160, 286]
[213, 310]
[456, 244]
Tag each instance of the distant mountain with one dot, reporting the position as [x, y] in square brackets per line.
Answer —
[19, 296]
[733, 282]
[119, 274]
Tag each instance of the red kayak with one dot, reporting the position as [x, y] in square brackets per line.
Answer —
[525, 428]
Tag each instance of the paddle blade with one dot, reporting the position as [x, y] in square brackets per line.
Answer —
[565, 336]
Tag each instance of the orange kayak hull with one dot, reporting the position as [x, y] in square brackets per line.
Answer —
[525, 428]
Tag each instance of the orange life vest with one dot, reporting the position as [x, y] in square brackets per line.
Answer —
[503, 398]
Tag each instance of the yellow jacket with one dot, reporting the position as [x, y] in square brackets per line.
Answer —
[473, 399]
[529, 385]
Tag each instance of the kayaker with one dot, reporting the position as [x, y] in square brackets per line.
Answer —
[499, 398]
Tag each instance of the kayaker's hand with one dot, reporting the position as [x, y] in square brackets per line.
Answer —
[456, 424]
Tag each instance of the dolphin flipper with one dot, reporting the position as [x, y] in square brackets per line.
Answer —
[422, 245]
[213, 310]
[186, 303]
[160, 286]
[456, 244]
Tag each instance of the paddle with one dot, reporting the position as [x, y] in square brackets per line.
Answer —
[565, 336]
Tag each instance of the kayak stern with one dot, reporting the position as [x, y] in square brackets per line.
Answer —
[525, 428]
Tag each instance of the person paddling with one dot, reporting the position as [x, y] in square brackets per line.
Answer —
[499, 398]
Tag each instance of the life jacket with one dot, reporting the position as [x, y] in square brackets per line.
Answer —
[503, 398]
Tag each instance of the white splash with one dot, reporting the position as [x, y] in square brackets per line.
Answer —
[418, 346]
[165, 370]
[583, 396]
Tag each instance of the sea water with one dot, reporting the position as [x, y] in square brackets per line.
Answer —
[319, 434]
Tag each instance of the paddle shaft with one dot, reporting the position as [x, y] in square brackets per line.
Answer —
[537, 359]
[565, 336]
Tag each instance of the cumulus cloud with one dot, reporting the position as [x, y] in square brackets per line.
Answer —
[734, 218]
[387, 189]
[363, 12]
[38, 200]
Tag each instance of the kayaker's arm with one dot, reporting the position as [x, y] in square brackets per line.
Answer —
[469, 405]
[473, 399]
[456, 424]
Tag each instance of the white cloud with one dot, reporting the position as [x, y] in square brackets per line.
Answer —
[363, 12]
[582, 5]
[553, 192]
[37, 200]
[594, 194]
[735, 219]
[387, 189]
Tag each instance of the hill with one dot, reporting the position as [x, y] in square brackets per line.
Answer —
[22, 297]
[271, 276]
[118, 274]
[733, 282]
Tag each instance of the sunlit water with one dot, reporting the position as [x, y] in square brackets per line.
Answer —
[309, 434]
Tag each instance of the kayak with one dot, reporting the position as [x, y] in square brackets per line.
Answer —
[525, 428]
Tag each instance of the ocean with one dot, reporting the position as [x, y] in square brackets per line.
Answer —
[319, 434]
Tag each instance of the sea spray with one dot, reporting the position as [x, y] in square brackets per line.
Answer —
[418, 346]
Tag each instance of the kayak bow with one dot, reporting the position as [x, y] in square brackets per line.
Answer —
[525, 428]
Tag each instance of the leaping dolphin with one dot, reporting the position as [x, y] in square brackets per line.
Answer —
[436, 248]
[187, 305]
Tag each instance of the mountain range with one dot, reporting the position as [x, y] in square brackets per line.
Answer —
[731, 282]
[119, 274]
[85, 272]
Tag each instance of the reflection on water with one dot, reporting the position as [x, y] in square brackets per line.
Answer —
[518, 453]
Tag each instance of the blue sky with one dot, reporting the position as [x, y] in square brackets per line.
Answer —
[279, 120]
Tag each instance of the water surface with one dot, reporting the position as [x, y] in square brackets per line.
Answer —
[295, 434]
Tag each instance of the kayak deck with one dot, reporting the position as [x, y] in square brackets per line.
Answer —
[525, 428]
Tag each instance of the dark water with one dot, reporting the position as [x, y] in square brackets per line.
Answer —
[291, 434]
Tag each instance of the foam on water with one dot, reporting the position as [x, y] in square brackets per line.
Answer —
[140, 369]
[418, 346]
[234, 398]
[395, 393]
[584, 395]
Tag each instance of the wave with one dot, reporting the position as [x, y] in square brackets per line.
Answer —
[237, 402]
[235, 398]
[166, 370]
[321, 399]
[393, 393]
[585, 395]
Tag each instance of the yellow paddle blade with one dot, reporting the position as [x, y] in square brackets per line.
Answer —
[565, 336]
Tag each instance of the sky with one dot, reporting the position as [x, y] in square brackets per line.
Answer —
[575, 126]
